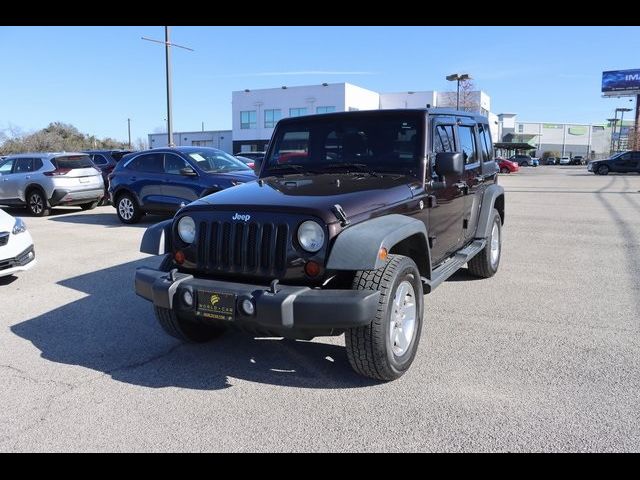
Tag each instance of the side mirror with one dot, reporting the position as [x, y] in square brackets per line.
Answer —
[188, 172]
[448, 163]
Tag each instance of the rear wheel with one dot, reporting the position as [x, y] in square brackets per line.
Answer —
[37, 203]
[181, 327]
[385, 349]
[603, 170]
[485, 264]
[89, 206]
[504, 170]
[127, 209]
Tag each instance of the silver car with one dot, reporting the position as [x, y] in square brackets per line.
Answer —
[40, 181]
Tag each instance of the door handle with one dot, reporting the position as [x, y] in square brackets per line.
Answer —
[133, 179]
[461, 185]
[480, 179]
[28, 177]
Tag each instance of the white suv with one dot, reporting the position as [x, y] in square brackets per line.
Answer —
[16, 246]
[565, 161]
[40, 181]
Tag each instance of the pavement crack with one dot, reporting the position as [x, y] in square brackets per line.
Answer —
[24, 375]
[142, 363]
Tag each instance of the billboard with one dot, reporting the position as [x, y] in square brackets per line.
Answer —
[621, 82]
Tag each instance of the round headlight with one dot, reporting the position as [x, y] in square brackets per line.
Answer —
[187, 229]
[310, 236]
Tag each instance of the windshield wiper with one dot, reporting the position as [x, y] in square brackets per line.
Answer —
[360, 167]
[288, 166]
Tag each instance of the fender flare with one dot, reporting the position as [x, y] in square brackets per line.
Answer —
[157, 239]
[493, 194]
[357, 247]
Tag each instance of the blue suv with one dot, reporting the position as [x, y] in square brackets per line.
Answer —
[163, 180]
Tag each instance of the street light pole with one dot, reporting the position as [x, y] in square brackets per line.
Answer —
[167, 46]
[129, 129]
[457, 77]
[613, 131]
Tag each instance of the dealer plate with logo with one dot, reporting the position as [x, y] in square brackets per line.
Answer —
[216, 305]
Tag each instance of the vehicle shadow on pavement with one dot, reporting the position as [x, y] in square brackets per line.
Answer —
[115, 332]
[109, 220]
[462, 275]
[7, 280]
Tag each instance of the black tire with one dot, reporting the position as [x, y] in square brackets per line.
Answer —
[183, 328]
[482, 265]
[37, 203]
[504, 170]
[89, 206]
[369, 348]
[603, 170]
[127, 209]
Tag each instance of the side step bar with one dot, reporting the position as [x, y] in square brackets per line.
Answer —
[452, 265]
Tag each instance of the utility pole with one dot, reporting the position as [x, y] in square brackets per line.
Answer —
[167, 51]
[636, 137]
[129, 129]
[613, 131]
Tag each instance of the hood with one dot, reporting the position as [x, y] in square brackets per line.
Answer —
[313, 194]
[6, 222]
[241, 175]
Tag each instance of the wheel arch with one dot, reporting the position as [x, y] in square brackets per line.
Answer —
[358, 246]
[493, 198]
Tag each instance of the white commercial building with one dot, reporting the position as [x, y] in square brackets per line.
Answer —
[209, 138]
[564, 139]
[255, 112]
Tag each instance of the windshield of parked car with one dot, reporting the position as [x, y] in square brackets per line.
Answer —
[217, 161]
[390, 143]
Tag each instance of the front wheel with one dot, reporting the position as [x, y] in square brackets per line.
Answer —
[385, 349]
[37, 204]
[485, 264]
[504, 170]
[603, 170]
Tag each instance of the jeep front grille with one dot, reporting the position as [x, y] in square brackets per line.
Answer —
[238, 247]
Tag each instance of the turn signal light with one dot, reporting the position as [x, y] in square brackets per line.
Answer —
[383, 254]
[312, 268]
[179, 257]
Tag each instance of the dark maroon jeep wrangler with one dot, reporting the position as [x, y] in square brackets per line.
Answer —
[354, 217]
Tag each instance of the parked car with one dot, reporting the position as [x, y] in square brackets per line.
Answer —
[551, 161]
[40, 181]
[565, 161]
[105, 161]
[577, 160]
[247, 161]
[623, 162]
[16, 246]
[507, 166]
[346, 232]
[535, 161]
[522, 160]
[163, 180]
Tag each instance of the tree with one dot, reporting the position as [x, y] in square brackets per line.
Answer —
[467, 98]
[140, 144]
[56, 137]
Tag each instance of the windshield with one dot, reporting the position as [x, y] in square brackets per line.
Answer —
[389, 143]
[217, 161]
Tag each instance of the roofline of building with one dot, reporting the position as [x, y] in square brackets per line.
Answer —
[194, 131]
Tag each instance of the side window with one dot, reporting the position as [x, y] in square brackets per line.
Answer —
[151, 163]
[37, 164]
[485, 139]
[99, 159]
[173, 164]
[467, 144]
[23, 165]
[5, 168]
[443, 139]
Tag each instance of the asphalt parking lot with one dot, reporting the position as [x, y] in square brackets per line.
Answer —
[545, 356]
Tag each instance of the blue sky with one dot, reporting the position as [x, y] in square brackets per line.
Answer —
[97, 77]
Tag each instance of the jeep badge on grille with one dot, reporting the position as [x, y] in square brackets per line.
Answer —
[238, 216]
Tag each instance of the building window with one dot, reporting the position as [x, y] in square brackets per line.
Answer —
[520, 128]
[271, 117]
[325, 109]
[248, 120]
[297, 112]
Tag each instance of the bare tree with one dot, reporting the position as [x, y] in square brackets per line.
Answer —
[467, 99]
[140, 144]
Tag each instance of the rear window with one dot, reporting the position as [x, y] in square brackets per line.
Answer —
[117, 156]
[71, 162]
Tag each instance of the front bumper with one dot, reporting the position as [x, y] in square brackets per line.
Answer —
[590, 167]
[290, 307]
[21, 262]
[75, 197]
